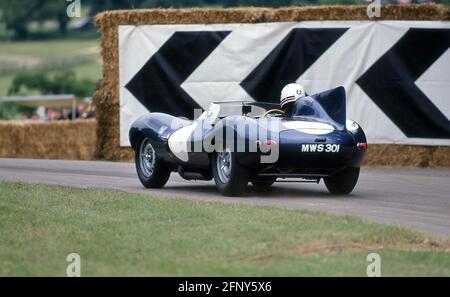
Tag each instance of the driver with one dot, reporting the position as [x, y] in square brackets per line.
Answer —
[289, 94]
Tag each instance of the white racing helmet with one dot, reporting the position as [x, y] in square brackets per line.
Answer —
[290, 93]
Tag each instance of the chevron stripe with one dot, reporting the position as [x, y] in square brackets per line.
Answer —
[218, 78]
[390, 83]
[157, 84]
[288, 60]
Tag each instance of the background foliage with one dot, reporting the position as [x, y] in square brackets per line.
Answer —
[62, 82]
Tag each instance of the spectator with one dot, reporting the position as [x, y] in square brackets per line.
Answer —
[54, 114]
[24, 118]
[59, 115]
[49, 114]
[35, 117]
[80, 112]
[90, 114]
[41, 113]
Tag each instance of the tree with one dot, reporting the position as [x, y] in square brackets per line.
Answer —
[63, 82]
[53, 10]
[98, 6]
[17, 14]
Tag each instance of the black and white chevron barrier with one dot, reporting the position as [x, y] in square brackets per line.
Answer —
[396, 73]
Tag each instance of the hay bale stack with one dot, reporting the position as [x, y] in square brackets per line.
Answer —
[440, 157]
[52, 140]
[138, 17]
[396, 155]
[392, 155]
[107, 97]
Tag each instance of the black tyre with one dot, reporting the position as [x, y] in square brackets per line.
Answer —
[230, 177]
[263, 183]
[150, 168]
[342, 182]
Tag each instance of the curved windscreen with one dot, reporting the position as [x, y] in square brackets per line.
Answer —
[230, 108]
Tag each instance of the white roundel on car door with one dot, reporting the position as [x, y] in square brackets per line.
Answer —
[178, 141]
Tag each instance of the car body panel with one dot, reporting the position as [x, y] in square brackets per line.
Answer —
[315, 141]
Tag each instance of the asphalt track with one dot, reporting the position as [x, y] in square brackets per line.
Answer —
[413, 198]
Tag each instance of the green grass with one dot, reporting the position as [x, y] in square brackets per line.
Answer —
[91, 71]
[5, 83]
[49, 49]
[125, 234]
[15, 52]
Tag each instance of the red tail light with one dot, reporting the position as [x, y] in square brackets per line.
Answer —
[267, 143]
[362, 146]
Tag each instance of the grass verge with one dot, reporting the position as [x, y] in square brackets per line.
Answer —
[48, 49]
[126, 234]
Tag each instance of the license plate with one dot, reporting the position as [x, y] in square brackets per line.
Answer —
[320, 148]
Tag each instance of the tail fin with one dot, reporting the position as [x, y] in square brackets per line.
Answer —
[334, 103]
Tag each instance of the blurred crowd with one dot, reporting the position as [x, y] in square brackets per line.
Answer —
[42, 114]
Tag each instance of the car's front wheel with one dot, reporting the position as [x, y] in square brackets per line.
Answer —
[150, 168]
[230, 177]
[342, 182]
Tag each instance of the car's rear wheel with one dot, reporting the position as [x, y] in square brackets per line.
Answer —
[342, 182]
[150, 168]
[263, 183]
[230, 177]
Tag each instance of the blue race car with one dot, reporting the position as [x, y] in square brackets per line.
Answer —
[235, 143]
